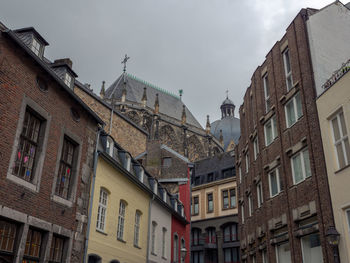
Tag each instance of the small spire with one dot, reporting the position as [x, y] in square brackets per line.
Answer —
[227, 94]
[156, 105]
[183, 117]
[124, 95]
[221, 138]
[207, 128]
[180, 93]
[144, 97]
[102, 92]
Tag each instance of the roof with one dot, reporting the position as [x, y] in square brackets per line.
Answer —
[169, 103]
[217, 163]
[180, 156]
[36, 33]
[227, 101]
[12, 35]
[231, 129]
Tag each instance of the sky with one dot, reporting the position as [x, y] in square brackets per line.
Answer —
[203, 47]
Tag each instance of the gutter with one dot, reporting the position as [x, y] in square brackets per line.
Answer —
[149, 225]
[96, 154]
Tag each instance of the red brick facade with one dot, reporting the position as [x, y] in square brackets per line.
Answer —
[299, 209]
[33, 204]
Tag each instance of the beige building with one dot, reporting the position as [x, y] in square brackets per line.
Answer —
[333, 107]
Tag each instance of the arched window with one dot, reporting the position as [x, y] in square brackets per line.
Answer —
[196, 234]
[102, 210]
[137, 227]
[230, 233]
[164, 242]
[93, 258]
[176, 249]
[211, 236]
[121, 219]
[183, 245]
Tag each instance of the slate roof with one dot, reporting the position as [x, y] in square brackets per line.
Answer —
[216, 163]
[169, 104]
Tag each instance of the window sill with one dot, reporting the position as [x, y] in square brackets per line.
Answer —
[210, 212]
[101, 232]
[136, 246]
[291, 126]
[341, 169]
[121, 240]
[164, 258]
[22, 182]
[267, 145]
[296, 184]
[62, 201]
[153, 254]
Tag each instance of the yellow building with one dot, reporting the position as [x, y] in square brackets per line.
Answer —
[120, 208]
[333, 107]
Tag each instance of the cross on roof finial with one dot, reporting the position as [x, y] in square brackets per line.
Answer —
[124, 62]
[227, 94]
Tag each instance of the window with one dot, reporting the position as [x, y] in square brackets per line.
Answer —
[301, 166]
[64, 178]
[183, 245]
[121, 220]
[102, 210]
[247, 162]
[210, 202]
[230, 233]
[274, 181]
[287, 69]
[27, 147]
[270, 130]
[242, 212]
[250, 205]
[293, 110]
[210, 177]
[33, 246]
[42, 84]
[264, 256]
[176, 249]
[137, 228]
[153, 240]
[196, 233]
[348, 219]
[164, 243]
[283, 253]
[110, 146]
[228, 172]
[56, 250]
[240, 174]
[197, 180]
[195, 205]
[231, 255]
[311, 248]
[197, 256]
[341, 140]
[94, 259]
[8, 232]
[127, 163]
[256, 147]
[266, 93]
[211, 236]
[259, 193]
[253, 259]
[68, 80]
[229, 198]
[36, 47]
[166, 162]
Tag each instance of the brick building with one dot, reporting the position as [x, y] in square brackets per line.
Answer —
[284, 202]
[47, 142]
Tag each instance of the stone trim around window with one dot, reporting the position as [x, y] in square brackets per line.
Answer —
[39, 162]
[75, 173]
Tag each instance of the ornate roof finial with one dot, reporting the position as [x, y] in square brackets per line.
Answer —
[102, 92]
[156, 105]
[221, 138]
[207, 127]
[144, 97]
[183, 117]
[227, 94]
[126, 58]
[180, 93]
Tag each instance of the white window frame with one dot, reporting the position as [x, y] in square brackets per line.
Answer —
[259, 192]
[153, 237]
[341, 139]
[247, 162]
[164, 230]
[102, 210]
[250, 205]
[276, 170]
[256, 147]
[303, 167]
[274, 131]
[288, 75]
[110, 146]
[297, 115]
[137, 228]
[266, 93]
[68, 79]
[141, 174]
[121, 220]
[347, 215]
[36, 47]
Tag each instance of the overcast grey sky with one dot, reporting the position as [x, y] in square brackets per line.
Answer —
[204, 47]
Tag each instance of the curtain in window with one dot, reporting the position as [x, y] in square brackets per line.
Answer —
[298, 173]
[312, 251]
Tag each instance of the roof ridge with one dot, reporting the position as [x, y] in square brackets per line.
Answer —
[153, 86]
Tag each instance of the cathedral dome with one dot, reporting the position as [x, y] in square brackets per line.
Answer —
[229, 124]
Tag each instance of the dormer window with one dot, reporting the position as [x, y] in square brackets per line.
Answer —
[68, 80]
[155, 187]
[141, 174]
[36, 47]
[164, 195]
[127, 162]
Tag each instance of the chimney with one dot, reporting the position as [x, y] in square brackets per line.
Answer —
[66, 61]
[207, 128]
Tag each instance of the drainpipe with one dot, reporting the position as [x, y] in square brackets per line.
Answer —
[96, 153]
[149, 225]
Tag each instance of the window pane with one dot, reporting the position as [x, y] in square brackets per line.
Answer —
[297, 170]
[340, 154]
[312, 251]
[287, 61]
[347, 149]
[274, 123]
[298, 103]
[307, 163]
[233, 197]
[273, 182]
[283, 253]
[225, 199]
[290, 113]
[268, 131]
[342, 121]
[336, 130]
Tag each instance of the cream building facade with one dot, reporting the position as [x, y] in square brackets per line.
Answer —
[333, 107]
